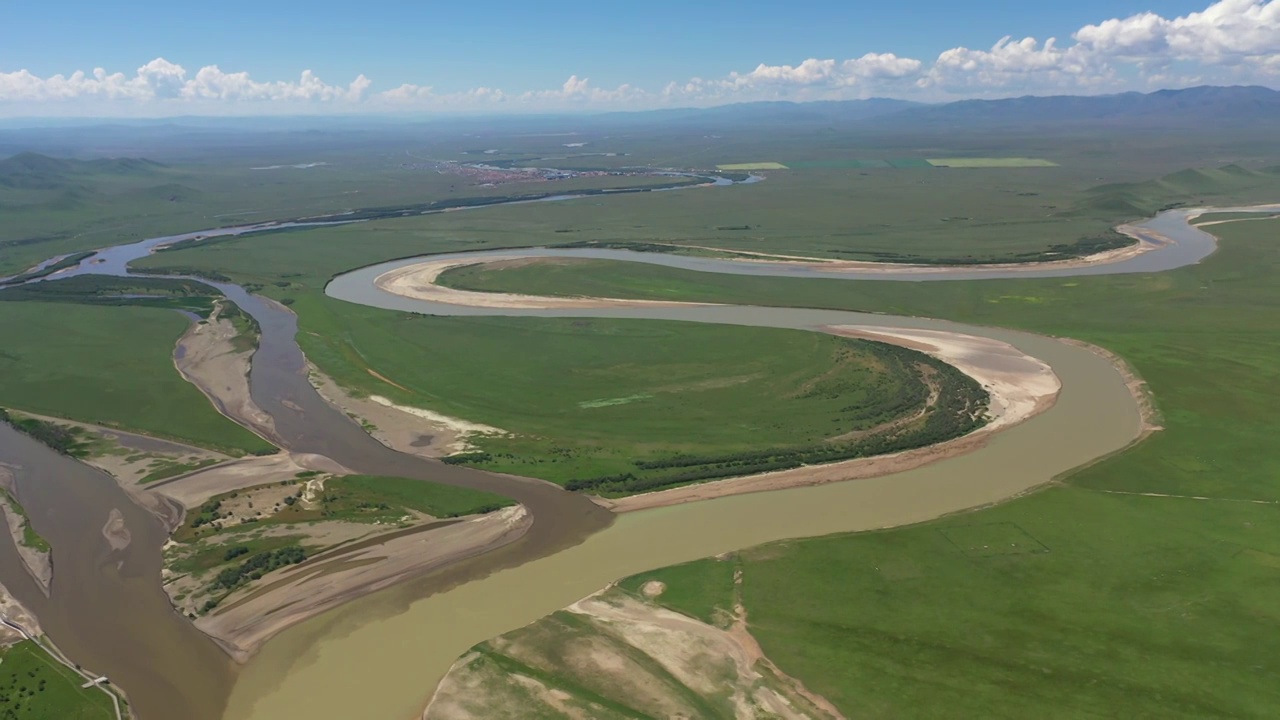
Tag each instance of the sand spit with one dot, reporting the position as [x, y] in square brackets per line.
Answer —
[194, 488]
[38, 563]
[418, 281]
[207, 358]
[283, 598]
[1019, 386]
[131, 456]
[17, 613]
[410, 430]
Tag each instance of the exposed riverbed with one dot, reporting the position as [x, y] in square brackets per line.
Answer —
[381, 655]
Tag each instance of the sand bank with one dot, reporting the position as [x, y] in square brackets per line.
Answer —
[288, 596]
[410, 430]
[206, 357]
[37, 562]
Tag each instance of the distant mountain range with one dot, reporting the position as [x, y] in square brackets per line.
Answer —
[1206, 108]
[1205, 104]
[1190, 106]
[33, 171]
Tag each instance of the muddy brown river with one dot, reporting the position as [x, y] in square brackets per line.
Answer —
[380, 656]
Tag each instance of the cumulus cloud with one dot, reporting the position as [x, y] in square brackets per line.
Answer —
[1236, 40]
[164, 82]
[1228, 41]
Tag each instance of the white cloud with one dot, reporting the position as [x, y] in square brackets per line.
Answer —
[1218, 41]
[579, 92]
[1229, 41]
[166, 83]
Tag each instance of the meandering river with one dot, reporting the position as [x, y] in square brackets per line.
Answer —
[381, 655]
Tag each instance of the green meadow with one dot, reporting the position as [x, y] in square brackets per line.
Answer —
[109, 366]
[34, 686]
[585, 398]
[1141, 586]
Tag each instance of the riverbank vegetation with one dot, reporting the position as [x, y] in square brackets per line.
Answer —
[110, 366]
[1138, 586]
[66, 439]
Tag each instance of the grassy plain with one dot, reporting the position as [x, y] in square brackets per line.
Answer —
[920, 215]
[585, 398]
[34, 686]
[1141, 586]
[54, 206]
[110, 366]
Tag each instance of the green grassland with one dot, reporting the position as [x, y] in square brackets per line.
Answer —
[587, 398]
[701, 589]
[924, 215]
[110, 366]
[34, 686]
[53, 206]
[1089, 598]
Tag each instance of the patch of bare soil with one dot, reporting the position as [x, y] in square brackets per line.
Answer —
[250, 616]
[1019, 386]
[129, 457]
[633, 653]
[206, 357]
[38, 563]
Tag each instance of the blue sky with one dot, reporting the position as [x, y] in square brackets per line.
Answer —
[514, 56]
